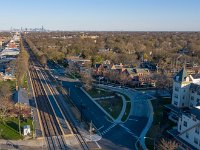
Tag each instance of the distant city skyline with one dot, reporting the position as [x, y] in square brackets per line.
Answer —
[102, 15]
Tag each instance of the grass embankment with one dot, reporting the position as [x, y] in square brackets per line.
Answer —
[160, 121]
[98, 93]
[10, 130]
[111, 105]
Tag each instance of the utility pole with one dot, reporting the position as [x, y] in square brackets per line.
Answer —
[81, 111]
[90, 130]
[19, 119]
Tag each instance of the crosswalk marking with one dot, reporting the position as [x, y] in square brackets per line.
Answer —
[108, 129]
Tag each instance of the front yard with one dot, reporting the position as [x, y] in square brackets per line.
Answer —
[160, 122]
[10, 129]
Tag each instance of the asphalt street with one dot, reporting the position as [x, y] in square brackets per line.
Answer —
[121, 136]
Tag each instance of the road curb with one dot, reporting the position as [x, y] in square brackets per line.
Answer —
[97, 104]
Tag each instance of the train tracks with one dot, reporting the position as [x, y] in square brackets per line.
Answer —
[69, 118]
[51, 128]
[51, 125]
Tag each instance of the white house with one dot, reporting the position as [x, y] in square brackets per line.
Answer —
[185, 109]
[189, 127]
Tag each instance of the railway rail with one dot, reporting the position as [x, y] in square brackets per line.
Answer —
[69, 118]
[51, 129]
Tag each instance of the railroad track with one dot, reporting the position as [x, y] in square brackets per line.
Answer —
[69, 118]
[51, 129]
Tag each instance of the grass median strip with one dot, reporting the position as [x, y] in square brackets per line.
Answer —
[112, 105]
[98, 93]
[128, 108]
[108, 100]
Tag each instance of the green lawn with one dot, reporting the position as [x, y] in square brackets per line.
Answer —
[95, 93]
[112, 105]
[128, 108]
[160, 124]
[25, 82]
[10, 129]
[9, 133]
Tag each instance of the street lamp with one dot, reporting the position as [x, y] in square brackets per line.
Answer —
[154, 141]
[81, 110]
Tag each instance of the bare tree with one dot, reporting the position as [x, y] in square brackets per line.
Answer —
[87, 80]
[5, 100]
[123, 79]
[43, 60]
[167, 145]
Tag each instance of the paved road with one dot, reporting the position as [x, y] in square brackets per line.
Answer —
[121, 136]
[114, 136]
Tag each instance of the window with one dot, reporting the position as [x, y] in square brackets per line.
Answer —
[195, 140]
[180, 127]
[182, 104]
[185, 123]
[176, 89]
[192, 97]
[175, 103]
[198, 100]
[191, 105]
[187, 135]
[197, 130]
[192, 91]
[176, 95]
[183, 97]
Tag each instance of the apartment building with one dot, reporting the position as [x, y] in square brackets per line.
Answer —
[185, 109]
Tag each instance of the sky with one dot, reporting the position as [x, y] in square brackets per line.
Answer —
[101, 15]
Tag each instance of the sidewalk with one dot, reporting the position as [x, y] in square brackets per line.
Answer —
[135, 96]
[149, 123]
[119, 118]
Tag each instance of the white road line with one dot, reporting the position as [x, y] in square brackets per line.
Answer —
[133, 119]
[101, 127]
[128, 130]
[98, 145]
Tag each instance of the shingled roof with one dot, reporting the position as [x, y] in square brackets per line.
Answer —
[181, 75]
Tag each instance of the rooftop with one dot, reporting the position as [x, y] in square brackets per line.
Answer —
[181, 75]
[196, 76]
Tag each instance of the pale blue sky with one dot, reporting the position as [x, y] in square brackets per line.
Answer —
[132, 15]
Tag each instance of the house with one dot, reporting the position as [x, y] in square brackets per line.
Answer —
[148, 65]
[100, 69]
[184, 51]
[185, 109]
[79, 64]
[139, 76]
